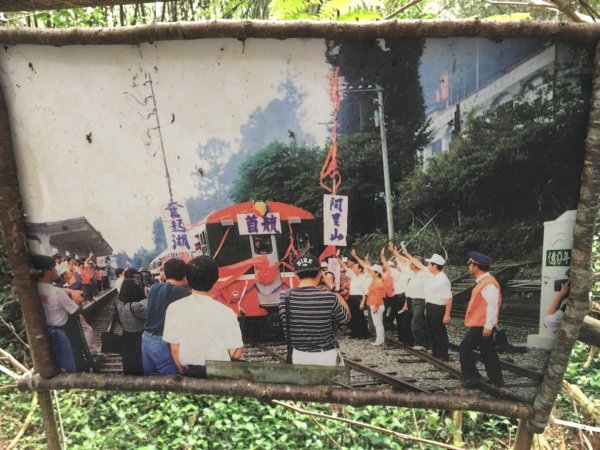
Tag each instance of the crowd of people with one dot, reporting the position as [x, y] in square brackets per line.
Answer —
[174, 326]
[414, 296]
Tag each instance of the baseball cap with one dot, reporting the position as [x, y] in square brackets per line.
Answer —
[436, 259]
[306, 263]
[60, 269]
[377, 268]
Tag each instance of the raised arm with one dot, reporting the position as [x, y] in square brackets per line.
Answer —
[384, 261]
[411, 258]
[394, 251]
[363, 262]
[560, 296]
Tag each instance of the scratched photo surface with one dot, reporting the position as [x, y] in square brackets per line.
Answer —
[256, 152]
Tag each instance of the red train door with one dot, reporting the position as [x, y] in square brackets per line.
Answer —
[268, 281]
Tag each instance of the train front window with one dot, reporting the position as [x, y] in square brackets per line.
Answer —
[303, 244]
[262, 244]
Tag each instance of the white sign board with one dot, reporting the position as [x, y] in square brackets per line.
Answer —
[251, 223]
[175, 219]
[335, 219]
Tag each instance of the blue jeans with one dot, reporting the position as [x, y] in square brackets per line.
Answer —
[156, 356]
[61, 349]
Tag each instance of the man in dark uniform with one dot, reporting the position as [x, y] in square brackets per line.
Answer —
[480, 319]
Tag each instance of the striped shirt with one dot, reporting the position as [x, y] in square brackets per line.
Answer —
[313, 314]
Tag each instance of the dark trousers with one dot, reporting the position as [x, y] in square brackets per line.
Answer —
[81, 353]
[418, 322]
[438, 335]
[403, 321]
[88, 292]
[358, 323]
[391, 311]
[475, 339]
[132, 353]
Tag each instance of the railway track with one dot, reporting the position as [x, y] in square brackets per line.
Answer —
[431, 375]
[393, 366]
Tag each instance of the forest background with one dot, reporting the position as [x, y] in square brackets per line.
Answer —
[124, 420]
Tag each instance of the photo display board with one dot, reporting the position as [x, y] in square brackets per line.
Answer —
[254, 153]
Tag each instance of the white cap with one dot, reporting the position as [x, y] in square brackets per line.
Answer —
[436, 259]
[60, 269]
[377, 268]
[324, 265]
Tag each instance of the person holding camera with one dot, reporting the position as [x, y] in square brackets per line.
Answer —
[555, 313]
[156, 353]
[309, 316]
[132, 308]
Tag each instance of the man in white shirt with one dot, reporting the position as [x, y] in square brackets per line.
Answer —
[359, 285]
[438, 303]
[199, 328]
[481, 318]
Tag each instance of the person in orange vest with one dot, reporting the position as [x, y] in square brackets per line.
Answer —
[87, 275]
[480, 319]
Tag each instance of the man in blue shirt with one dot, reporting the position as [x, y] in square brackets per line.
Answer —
[156, 353]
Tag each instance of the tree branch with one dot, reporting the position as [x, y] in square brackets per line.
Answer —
[26, 423]
[43, 5]
[554, 5]
[403, 8]
[13, 362]
[365, 425]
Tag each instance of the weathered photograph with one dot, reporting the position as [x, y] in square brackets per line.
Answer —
[372, 214]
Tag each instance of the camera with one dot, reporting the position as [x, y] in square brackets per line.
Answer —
[144, 278]
[558, 284]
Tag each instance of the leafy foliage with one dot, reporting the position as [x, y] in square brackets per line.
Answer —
[280, 172]
[513, 167]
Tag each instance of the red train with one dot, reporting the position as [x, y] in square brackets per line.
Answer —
[254, 243]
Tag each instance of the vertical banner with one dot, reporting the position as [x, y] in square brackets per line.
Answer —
[333, 266]
[335, 219]
[174, 218]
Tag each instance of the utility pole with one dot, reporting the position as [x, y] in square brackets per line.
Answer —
[384, 155]
[386, 165]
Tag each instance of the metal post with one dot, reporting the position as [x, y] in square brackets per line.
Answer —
[386, 166]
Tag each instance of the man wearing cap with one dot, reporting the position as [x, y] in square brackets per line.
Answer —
[481, 317]
[312, 316]
[62, 319]
[438, 304]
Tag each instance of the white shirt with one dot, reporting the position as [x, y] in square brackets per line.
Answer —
[118, 283]
[204, 329]
[437, 288]
[491, 295]
[56, 303]
[552, 321]
[400, 278]
[359, 284]
[416, 284]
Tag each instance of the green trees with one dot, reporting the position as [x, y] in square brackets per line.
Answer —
[279, 172]
[513, 167]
